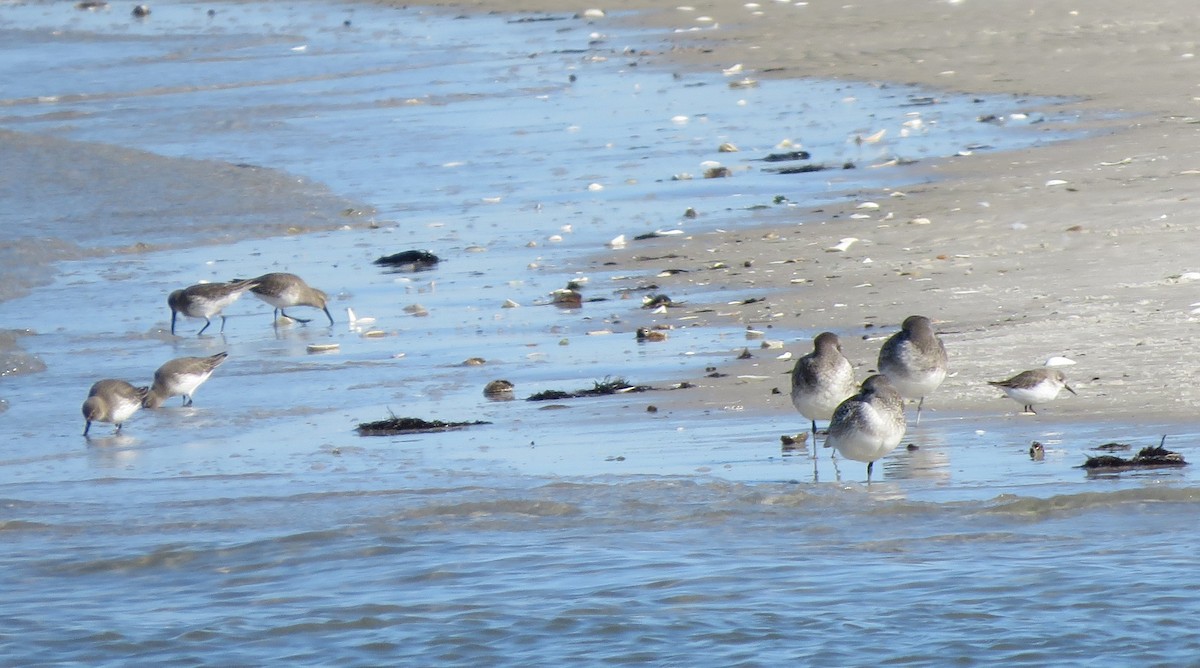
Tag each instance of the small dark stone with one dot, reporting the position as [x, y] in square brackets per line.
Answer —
[411, 260]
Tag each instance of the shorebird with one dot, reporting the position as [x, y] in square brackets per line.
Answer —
[112, 401]
[870, 424]
[1036, 386]
[821, 380]
[914, 360]
[204, 300]
[286, 290]
[181, 376]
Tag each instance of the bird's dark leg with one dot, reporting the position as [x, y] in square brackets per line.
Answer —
[302, 320]
[1029, 409]
[327, 314]
[119, 425]
[919, 405]
[870, 465]
[207, 322]
[222, 323]
[187, 401]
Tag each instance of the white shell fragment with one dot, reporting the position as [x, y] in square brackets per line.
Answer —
[842, 245]
[593, 14]
[322, 347]
[1055, 182]
[1059, 361]
[617, 241]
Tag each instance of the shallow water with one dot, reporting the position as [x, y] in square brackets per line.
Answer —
[258, 527]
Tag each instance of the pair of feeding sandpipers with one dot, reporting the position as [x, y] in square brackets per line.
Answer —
[867, 422]
[116, 401]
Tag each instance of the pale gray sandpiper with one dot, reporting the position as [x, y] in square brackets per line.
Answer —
[821, 380]
[181, 376]
[112, 401]
[204, 300]
[914, 360]
[1036, 386]
[286, 290]
[870, 424]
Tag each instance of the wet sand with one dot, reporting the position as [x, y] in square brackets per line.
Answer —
[1079, 249]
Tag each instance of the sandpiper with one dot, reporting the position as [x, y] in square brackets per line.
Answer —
[822, 379]
[1036, 386]
[286, 290]
[112, 401]
[914, 360]
[204, 300]
[181, 376]
[870, 424]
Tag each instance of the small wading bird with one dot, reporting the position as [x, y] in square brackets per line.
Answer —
[821, 380]
[181, 376]
[868, 425]
[112, 401]
[914, 360]
[287, 290]
[204, 300]
[1036, 386]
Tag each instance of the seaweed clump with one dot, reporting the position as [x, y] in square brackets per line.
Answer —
[599, 388]
[410, 260]
[394, 426]
[1148, 457]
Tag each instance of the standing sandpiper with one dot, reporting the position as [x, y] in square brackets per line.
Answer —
[112, 401]
[181, 376]
[821, 380]
[204, 300]
[286, 290]
[1036, 386]
[914, 360]
[870, 424]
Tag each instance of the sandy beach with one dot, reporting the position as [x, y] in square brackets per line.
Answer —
[1079, 249]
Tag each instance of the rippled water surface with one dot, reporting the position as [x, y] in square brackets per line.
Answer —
[256, 527]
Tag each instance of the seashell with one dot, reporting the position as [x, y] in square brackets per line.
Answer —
[870, 139]
[508, 303]
[322, 347]
[593, 14]
[498, 388]
[617, 241]
[1056, 182]
[842, 245]
[1059, 361]
[868, 205]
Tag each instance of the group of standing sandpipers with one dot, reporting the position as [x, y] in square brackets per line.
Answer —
[867, 422]
[115, 401]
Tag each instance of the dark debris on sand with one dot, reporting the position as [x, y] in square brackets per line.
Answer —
[409, 260]
[1148, 457]
[394, 426]
[599, 388]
